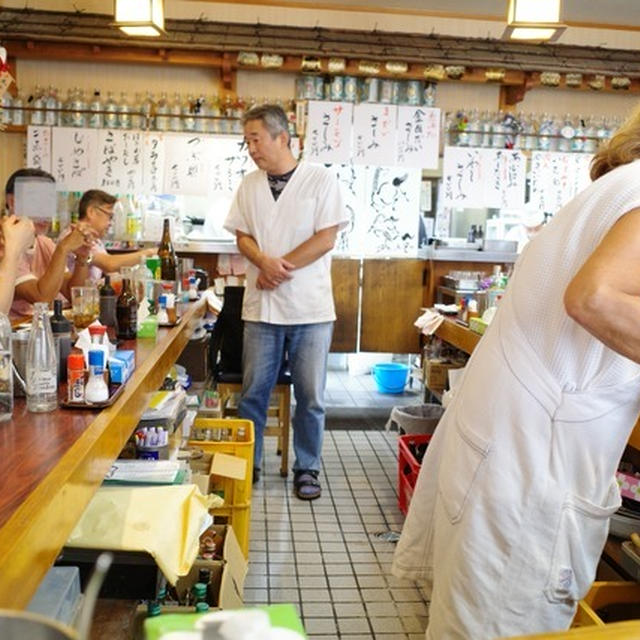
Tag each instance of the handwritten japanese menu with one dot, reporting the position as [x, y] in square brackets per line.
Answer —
[39, 148]
[474, 177]
[153, 162]
[186, 161]
[374, 134]
[418, 137]
[120, 166]
[329, 128]
[556, 178]
[74, 157]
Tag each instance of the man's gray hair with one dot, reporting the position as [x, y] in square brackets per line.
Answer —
[272, 116]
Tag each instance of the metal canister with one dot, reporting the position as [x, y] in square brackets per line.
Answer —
[390, 92]
[414, 92]
[350, 88]
[309, 87]
[337, 88]
[319, 84]
[370, 90]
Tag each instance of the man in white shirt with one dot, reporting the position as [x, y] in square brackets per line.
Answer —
[286, 217]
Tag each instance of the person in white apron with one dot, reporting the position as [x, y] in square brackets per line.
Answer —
[511, 509]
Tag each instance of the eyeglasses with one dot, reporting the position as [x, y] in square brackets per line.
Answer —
[109, 214]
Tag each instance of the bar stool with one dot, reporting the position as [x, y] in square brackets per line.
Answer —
[226, 364]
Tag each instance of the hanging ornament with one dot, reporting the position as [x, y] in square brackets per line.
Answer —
[5, 75]
[396, 67]
[454, 71]
[271, 61]
[310, 63]
[434, 72]
[366, 66]
[248, 58]
[597, 82]
[550, 79]
[620, 82]
[336, 65]
[573, 80]
[494, 75]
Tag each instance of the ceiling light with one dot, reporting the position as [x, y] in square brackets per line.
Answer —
[534, 20]
[140, 17]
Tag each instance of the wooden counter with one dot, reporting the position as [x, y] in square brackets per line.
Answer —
[54, 462]
[458, 335]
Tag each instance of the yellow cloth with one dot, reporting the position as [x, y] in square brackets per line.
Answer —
[163, 521]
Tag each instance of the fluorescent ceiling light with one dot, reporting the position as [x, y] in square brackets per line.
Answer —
[140, 17]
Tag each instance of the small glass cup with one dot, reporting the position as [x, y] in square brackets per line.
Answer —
[85, 302]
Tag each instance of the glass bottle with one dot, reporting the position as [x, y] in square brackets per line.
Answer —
[137, 118]
[567, 133]
[17, 114]
[111, 115]
[545, 131]
[462, 124]
[188, 121]
[124, 111]
[167, 254]
[474, 133]
[201, 108]
[175, 109]
[42, 368]
[127, 309]
[163, 317]
[79, 107]
[108, 302]
[162, 113]
[577, 144]
[498, 131]
[61, 330]
[148, 109]
[96, 118]
[36, 102]
[96, 389]
[51, 106]
[590, 140]
[6, 373]
[213, 125]
[6, 113]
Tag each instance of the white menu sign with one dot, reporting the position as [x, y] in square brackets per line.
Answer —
[39, 148]
[328, 133]
[186, 161]
[418, 138]
[374, 134]
[74, 158]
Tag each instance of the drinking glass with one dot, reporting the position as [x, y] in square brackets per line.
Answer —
[85, 302]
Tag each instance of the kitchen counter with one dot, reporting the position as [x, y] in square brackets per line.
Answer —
[469, 255]
[54, 462]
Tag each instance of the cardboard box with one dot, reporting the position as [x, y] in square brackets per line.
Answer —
[227, 573]
[436, 371]
[121, 365]
[222, 474]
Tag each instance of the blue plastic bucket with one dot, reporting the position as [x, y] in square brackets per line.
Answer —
[390, 377]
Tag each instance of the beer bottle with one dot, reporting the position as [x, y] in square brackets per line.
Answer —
[127, 312]
[167, 254]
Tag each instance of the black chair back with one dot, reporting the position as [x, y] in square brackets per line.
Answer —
[226, 339]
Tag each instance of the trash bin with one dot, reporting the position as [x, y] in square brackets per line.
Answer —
[418, 418]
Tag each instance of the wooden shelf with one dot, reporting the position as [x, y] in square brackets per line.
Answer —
[457, 335]
[54, 463]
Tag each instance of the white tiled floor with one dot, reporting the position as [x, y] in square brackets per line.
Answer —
[323, 555]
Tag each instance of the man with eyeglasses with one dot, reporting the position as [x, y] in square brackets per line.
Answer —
[96, 210]
[41, 274]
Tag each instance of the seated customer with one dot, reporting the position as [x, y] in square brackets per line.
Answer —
[43, 275]
[16, 235]
[96, 211]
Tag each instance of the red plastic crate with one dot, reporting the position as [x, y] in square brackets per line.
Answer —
[408, 468]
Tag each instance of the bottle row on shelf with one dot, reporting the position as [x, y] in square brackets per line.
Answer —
[529, 131]
[203, 114]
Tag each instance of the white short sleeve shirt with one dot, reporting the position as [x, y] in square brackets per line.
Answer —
[310, 202]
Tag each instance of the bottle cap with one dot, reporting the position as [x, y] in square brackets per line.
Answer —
[201, 607]
[162, 299]
[97, 330]
[153, 608]
[75, 361]
[96, 358]
[200, 589]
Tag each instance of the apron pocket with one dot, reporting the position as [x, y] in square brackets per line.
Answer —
[465, 451]
[580, 537]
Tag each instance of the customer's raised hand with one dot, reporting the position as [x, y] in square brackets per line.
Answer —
[18, 234]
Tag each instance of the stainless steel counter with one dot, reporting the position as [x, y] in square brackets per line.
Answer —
[210, 246]
[466, 255]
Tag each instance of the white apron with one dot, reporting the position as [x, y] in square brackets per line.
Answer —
[511, 508]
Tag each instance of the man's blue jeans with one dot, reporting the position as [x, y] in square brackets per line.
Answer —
[307, 348]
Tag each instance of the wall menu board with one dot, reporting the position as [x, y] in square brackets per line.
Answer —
[473, 177]
[123, 161]
[556, 178]
[379, 135]
[384, 210]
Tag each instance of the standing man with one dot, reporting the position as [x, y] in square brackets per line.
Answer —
[286, 217]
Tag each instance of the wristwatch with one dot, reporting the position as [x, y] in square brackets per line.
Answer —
[86, 261]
